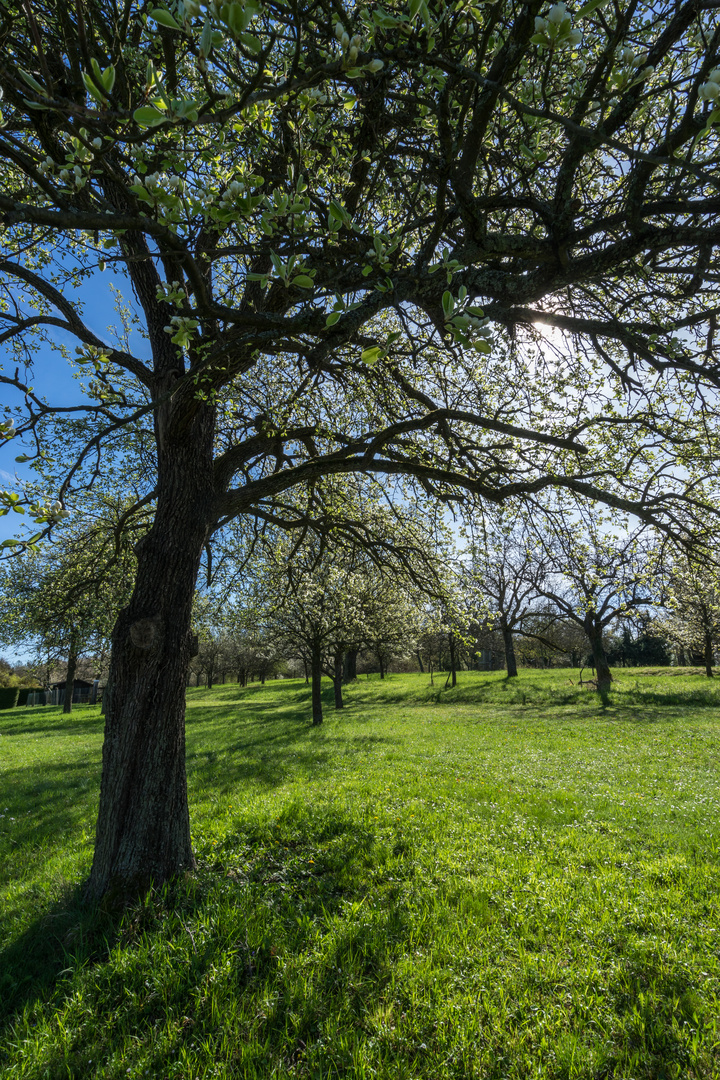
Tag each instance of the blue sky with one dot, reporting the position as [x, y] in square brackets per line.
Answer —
[55, 380]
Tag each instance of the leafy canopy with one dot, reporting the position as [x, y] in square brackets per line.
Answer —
[474, 244]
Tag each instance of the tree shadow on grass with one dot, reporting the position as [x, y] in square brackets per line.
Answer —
[265, 894]
[294, 933]
[60, 795]
[43, 959]
[50, 720]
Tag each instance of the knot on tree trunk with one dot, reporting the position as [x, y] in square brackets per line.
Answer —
[194, 644]
[147, 634]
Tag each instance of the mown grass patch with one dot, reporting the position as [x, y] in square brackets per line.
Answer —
[498, 881]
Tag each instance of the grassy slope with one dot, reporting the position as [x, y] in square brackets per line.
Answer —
[497, 881]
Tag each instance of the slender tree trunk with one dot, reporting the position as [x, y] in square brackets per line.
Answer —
[600, 660]
[316, 673]
[338, 679]
[305, 669]
[210, 679]
[453, 668]
[708, 654]
[382, 666]
[143, 828]
[510, 661]
[419, 660]
[70, 678]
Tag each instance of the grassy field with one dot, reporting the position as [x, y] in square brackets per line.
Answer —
[498, 881]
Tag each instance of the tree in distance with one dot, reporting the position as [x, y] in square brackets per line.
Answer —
[472, 245]
[596, 572]
[321, 597]
[65, 596]
[692, 617]
[504, 573]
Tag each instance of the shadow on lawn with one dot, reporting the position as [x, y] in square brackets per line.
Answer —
[50, 720]
[46, 956]
[268, 897]
[59, 795]
[267, 743]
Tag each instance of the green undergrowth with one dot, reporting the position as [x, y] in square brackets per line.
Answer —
[503, 880]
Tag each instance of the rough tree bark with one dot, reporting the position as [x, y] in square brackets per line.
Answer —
[510, 660]
[338, 679]
[70, 678]
[143, 828]
[708, 654]
[602, 668]
[316, 677]
[350, 666]
[453, 662]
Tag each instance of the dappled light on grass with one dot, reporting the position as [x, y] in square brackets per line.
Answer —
[496, 881]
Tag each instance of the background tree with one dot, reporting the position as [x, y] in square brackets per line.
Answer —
[692, 619]
[600, 572]
[317, 209]
[503, 577]
[64, 597]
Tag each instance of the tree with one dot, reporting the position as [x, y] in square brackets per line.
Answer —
[504, 574]
[600, 572]
[692, 620]
[65, 596]
[309, 205]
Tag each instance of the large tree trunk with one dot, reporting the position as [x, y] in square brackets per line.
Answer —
[350, 666]
[143, 828]
[419, 660]
[338, 679]
[708, 654]
[600, 660]
[510, 661]
[70, 678]
[316, 689]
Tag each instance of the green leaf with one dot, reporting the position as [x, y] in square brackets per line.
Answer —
[447, 303]
[108, 79]
[303, 281]
[254, 44]
[22, 458]
[236, 17]
[92, 89]
[160, 15]
[206, 41]
[371, 356]
[587, 9]
[32, 82]
[333, 318]
[9, 543]
[147, 116]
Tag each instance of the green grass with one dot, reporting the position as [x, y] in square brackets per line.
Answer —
[499, 881]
